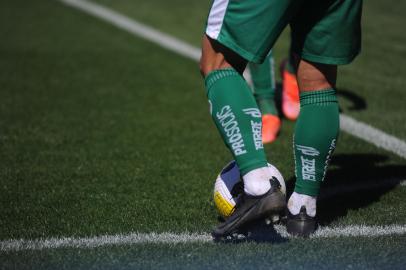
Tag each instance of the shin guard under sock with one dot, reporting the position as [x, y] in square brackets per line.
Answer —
[315, 138]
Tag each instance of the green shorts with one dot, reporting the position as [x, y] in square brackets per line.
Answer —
[323, 31]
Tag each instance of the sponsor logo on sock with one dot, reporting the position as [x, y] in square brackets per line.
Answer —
[308, 163]
[307, 150]
[308, 169]
[254, 112]
[227, 120]
[257, 134]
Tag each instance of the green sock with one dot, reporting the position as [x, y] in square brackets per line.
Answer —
[290, 64]
[237, 117]
[315, 138]
[263, 78]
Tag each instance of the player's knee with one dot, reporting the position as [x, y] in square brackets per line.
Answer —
[211, 62]
[316, 76]
[205, 67]
[211, 59]
[208, 65]
[216, 56]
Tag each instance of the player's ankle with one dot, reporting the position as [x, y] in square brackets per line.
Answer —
[297, 200]
[256, 182]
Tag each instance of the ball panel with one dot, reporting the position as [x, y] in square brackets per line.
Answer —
[224, 207]
[230, 175]
[222, 198]
[229, 179]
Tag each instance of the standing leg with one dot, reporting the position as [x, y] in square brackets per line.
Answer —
[263, 78]
[317, 126]
[290, 89]
[315, 138]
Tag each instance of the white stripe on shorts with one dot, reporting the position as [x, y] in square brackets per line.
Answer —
[216, 18]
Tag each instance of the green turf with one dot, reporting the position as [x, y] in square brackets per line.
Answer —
[377, 76]
[96, 137]
[185, 20]
[102, 132]
[295, 254]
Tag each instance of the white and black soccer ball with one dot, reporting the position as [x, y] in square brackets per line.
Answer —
[229, 187]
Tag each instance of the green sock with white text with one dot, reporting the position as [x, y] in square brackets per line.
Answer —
[315, 138]
[237, 117]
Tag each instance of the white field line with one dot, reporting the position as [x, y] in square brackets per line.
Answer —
[359, 231]
[373, 135]
[173, 238]
[104, 240]
[136, 28]
[177, 238]
[348, 124]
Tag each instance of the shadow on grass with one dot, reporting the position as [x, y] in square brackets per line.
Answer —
[354, 181]
[358, 102]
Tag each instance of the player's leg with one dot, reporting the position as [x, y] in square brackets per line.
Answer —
[235, 112]
[227, 47]
[317, 126]
[238, 119]
[263, 78]
[315, 138]
[292, 62]
[290, 89]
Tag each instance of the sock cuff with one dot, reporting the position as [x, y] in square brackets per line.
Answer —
[218, 74]
[320, 97]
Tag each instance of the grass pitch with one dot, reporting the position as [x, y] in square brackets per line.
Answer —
[102, 133]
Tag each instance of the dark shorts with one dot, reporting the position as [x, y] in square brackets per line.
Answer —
[323, 31]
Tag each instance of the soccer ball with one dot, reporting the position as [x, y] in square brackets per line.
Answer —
[229, 187]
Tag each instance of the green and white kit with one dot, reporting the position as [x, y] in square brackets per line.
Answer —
[323, 31]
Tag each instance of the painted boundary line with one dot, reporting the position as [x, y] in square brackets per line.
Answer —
[184, 238]
[348, 124]
[178, 238]
[138, 29]
[104, 240]
[373, 135]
